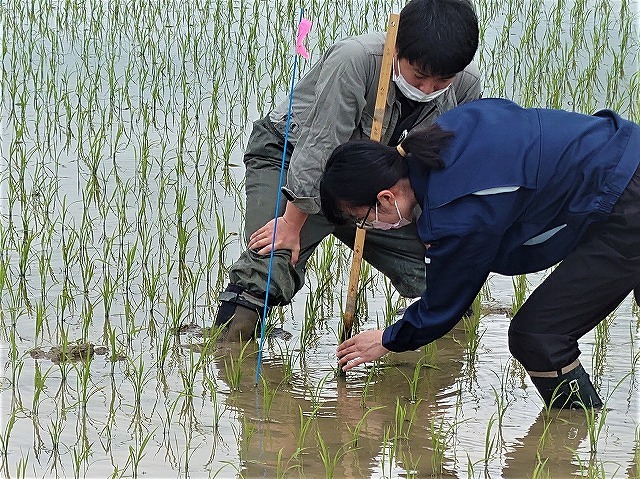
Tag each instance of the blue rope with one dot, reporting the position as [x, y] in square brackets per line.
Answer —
[276, 214]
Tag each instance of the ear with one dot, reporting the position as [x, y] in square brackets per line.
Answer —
[386, 197]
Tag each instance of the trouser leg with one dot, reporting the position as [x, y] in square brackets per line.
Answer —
[245, 295]
[579, 293]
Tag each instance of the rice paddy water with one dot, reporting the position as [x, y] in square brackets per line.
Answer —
[121, 197]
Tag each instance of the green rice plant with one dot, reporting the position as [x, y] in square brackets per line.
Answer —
[391, 307]
[140, 378]
[489, 441]
[389, 450]
[315, 393]
[268, 395]
[330, 461]
[502, 402]
[440, 442]
[83, 376]
[305, 424]
[520, 290]
[541, 469]
[137, 451]
[595, 420]
[309, 335]
[21, 467]
[594, 469]
[415, 379]
[224, 241]
[233, 367]
[472, 332]
[288, 362]
[4, 440]
[371, 373]
[355, 432]
[188, 375]
[177, 310]
[599, 352]
[39, 385]
[40, 318]
[283, 469]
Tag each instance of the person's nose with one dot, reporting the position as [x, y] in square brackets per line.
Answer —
[431, 84]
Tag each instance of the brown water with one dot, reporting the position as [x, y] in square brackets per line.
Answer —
[236, 433]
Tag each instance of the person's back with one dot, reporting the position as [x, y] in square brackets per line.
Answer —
[559, 194]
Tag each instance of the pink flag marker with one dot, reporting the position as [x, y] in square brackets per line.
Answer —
[303, 29]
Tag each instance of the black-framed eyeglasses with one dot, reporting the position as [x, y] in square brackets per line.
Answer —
[363, 223]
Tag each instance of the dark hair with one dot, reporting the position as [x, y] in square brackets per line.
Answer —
[358, 170]
[438, 36]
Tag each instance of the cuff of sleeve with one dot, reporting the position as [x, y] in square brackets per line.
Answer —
[387, 338]
[307, 204]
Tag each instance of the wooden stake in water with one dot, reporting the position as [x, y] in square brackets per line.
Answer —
[376, 135]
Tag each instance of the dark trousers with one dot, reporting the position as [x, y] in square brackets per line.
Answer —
[582, 290]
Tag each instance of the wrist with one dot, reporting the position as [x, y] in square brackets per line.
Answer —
[294, 216]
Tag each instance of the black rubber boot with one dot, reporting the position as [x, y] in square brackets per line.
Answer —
[239, 313]
[571, 390]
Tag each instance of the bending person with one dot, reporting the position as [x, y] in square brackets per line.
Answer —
[333, 103]
[508, 190]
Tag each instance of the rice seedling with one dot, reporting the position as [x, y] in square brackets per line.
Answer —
[520, 288]
[330, 461]
[415, 380]
[140, 378]
[268, 395]
[355, 431]
[284, 468]
[137, 451]
[489, 441]
[4, 441]
[21, 467]
[502, 403]
[233, 367]
[602, 340]
[303, 429]
[441, 437]
[541, 469]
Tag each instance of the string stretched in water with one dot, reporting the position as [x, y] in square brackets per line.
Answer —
[304, 26]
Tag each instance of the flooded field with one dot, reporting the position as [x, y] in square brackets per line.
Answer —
[121, 203]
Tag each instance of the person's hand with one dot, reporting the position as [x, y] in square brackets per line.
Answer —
[363, 347]
[287, 237]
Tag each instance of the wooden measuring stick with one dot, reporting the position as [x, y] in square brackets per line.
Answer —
[376, 135]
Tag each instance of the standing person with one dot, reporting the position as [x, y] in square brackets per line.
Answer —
[333, 103]
[507, 190]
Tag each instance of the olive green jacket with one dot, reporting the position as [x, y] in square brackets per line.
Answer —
[334, 102]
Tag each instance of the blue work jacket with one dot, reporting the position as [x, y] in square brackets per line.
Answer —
[518, 191]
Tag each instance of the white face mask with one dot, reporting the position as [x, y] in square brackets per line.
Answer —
[411, 92]
[380, 225]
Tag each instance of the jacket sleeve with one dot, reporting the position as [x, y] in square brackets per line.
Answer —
[457, 268]
[340, 98]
